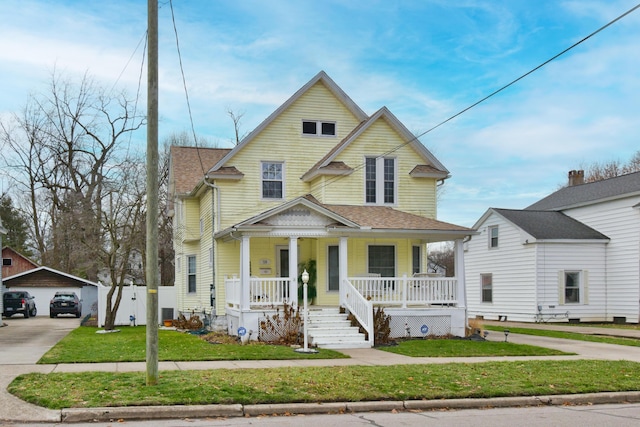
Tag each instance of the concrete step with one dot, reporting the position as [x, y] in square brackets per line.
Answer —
[351, 331]
[328, 328]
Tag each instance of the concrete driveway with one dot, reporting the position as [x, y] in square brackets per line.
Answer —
[24, 341]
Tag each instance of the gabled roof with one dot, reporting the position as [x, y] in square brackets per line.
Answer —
[549, 225]
[40, 270]
[189, 164]
[321, 77]
[7, 250]
[589, 193]
[406, 135]
[362, 219]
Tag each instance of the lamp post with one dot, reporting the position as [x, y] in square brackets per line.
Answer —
[305, 348]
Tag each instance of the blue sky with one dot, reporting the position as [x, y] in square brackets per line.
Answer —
[424, 60]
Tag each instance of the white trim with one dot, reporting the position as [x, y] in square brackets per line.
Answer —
[395, 256]
[282, 180]
[380, 161]
[319, 124]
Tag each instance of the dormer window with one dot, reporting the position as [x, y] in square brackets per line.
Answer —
[318, 128]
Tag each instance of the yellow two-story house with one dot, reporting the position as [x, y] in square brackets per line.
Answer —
[322, 186]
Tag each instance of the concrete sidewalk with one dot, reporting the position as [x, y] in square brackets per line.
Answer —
[15, 410]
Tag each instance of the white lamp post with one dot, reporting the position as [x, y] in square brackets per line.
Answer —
[305, 281]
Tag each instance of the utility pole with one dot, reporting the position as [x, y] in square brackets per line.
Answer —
[152, 194]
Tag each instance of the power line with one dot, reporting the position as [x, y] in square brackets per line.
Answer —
[184, 84]
[360, 166]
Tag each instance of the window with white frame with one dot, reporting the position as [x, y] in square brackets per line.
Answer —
[382, 260]
[572, 287]
[333, 267]
[318, 128]
[272, 180]
[6, 262]
[416, 258]
[380, 180]
[191, 274]
[487, 287]
[493, 236]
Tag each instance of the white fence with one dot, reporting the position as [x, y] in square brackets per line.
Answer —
[134, 303]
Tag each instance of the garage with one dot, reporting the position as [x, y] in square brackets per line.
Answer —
[43, 282]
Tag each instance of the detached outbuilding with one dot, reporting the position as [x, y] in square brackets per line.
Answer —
[44, 282]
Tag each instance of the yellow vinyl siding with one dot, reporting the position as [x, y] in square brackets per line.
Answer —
[414, 195]
[282, 141]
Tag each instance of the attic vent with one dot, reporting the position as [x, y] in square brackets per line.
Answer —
[318, 128]
[6, 261]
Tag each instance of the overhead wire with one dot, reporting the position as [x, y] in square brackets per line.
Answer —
[492, 94]
[186, 91]
[334, 179]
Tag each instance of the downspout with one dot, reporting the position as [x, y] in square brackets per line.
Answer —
[215, 225]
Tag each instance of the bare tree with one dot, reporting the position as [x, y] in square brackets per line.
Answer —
[236, 118]
[598, 171]
[68, 155]
[443, 257]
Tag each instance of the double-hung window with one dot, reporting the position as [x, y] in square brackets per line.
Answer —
[272, 180]
[380, 180]
[571, 287]
[382, 260]
[191, 274]
[487, 287]
[493, 236]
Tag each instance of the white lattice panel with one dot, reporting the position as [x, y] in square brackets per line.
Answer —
[437, 325]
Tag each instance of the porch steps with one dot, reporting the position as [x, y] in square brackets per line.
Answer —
[328, 328]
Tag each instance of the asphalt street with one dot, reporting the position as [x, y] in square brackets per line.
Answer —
[24, 341]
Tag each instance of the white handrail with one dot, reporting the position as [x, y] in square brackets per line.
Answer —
[361, 308]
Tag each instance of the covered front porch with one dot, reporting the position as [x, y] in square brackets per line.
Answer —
[419, 304]
[360, 262]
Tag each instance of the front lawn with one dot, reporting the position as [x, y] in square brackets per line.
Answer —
[327, 384]
[84, 345]
[467, 348]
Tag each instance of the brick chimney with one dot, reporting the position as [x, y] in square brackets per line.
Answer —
[576, 177]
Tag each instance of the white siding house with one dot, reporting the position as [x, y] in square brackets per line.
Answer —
[574, 255]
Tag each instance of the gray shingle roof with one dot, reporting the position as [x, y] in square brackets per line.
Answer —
[550, 225]
[591, 192]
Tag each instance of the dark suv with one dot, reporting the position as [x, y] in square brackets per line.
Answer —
[18, 302]
[65, 303]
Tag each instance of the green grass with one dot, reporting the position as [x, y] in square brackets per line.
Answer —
[466, 348]
[84, 345]
[568, 335]
[326, 384]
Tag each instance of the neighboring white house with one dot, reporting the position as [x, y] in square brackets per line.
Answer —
[574, 255]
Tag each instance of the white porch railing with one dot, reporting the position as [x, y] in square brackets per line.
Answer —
[263, 291]
[404, 291]
[390, 291]
[360, 307]
[269, 291]
[233, 291]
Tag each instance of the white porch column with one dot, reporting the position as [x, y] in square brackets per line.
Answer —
[342, 273]
[293, 270]
[459, 270]
[245, 275]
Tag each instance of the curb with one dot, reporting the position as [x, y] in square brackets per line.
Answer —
[73, 415]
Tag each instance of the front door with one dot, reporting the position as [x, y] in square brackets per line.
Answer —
[282, 254]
